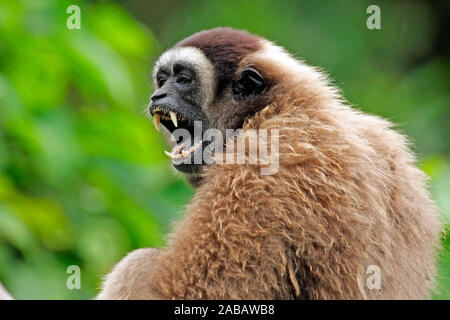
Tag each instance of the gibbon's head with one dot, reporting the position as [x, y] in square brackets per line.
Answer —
[219, 78]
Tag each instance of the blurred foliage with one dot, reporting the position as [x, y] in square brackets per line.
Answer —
[83, 179]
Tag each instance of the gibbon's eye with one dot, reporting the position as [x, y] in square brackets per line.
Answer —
[161, 79]
[184, 79]
[250, 83]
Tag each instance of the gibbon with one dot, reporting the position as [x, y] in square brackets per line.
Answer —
[347, 196]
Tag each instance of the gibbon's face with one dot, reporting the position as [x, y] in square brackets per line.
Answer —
[201, 82]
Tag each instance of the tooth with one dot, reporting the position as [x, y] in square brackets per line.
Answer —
[177, 149]
[156, 120]
[184, 153]
[173, 116]
[168, 153]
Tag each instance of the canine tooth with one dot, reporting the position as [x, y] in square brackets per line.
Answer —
[155, 110]
[156, 120]
[180, 147]
[173, 116]
[184, 153]
[168, 154]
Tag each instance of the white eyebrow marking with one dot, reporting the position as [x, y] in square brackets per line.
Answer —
[204, 68]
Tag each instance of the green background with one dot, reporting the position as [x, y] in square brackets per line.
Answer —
[83, 177]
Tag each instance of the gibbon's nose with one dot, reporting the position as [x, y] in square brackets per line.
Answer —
[158, 95]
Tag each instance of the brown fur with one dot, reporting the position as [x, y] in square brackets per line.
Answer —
[225, 48]
[347, 195]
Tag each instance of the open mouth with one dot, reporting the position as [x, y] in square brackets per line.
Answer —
[169, 119]
[182, 155]
[180, 152]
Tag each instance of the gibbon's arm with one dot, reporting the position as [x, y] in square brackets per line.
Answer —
[130, 277]
[4, 295]
[226, 247]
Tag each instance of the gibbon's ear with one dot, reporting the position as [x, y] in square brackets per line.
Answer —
[249, 83]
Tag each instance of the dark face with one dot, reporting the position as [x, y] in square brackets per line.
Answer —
[177, 103]
[195, 91]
